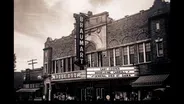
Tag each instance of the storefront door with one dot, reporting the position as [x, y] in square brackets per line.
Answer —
[100, 93]
[87, 94]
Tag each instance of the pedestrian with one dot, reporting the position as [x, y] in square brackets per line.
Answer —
[98, 98]
[43, 97]
[108, 97]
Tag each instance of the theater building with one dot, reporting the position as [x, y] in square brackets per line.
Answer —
[126, 57]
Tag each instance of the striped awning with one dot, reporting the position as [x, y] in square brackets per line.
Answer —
[28, 90]
[151, 80]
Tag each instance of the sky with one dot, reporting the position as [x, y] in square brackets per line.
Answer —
[35, 20]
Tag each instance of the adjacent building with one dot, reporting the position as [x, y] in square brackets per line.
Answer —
[18, 82]
[32, 88]
[126, 57]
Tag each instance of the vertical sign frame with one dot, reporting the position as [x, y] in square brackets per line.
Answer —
[80, 39]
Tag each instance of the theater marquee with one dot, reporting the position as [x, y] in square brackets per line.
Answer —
[112, 72]
[75, 75]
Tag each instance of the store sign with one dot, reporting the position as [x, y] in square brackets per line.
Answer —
[69, 75]
[80, 39]
[112, 72]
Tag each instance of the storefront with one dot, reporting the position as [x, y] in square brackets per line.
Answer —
[30, 94]
[152, 87]
[65, 86]
[94, 84]
[112, 81]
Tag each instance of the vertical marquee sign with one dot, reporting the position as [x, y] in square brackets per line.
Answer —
[80, 39]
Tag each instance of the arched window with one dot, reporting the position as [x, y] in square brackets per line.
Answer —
[113, 43]
[127, 39]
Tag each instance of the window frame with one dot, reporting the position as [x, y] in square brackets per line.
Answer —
[144, 54]
[127, 54]
[157, 25]
[131, 54]
[148, 51]
[118, 56]
[159, 41]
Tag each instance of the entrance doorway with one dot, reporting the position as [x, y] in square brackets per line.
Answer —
[100, 94]
[90, 94]
[87, 94]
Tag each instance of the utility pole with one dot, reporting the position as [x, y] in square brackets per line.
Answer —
[32, 62]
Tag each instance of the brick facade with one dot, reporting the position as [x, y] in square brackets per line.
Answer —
[103, 33]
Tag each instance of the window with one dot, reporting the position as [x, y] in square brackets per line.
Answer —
[46, 54]
[26, 85]
[73, 63]
[61, 65]
[30, 86]
[64, 65]
[159, 46]
[111, 58]
[100, 59]
[46, 69]
[36, 85]
[69, 65]
[148, 51]
[117, 56]
[125, 56]
[141, 53]
[57, 66]
[131, 54]
[53, 66]
[157, 26]
[89, 60]
[93, 60]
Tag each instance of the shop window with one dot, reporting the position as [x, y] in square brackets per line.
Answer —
[26, 86]
[125, 56]
[131, 49]
[36, 85]
[117, 56]
[98, 92]
[141, 53]
[111, 58]
[30, 86]
[148, 51]
[159, 46]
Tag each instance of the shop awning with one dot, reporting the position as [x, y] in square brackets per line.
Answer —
[28, 90]
[151, 80]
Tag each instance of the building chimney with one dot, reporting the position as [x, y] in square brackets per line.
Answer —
[126, 16]
[49, 39]
[90, 13]
[141, 11]
[158, 2]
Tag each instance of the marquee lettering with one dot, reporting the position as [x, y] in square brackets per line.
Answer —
[66, 75]
[81, 42]
[81, 61]
[81, 49]
[111, 72]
